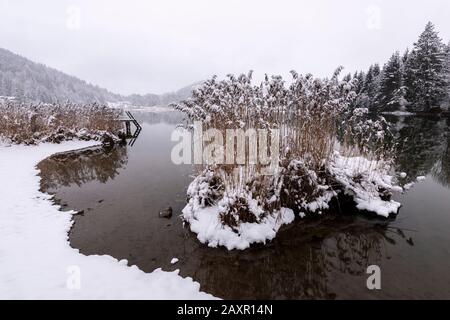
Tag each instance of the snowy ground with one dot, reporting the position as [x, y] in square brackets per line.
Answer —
[399, 113]
[36, 260]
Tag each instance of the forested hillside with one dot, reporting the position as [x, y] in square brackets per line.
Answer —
[29, 81]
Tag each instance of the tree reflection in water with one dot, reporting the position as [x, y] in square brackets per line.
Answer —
[423, 147]
[441, 169]
[82, 166]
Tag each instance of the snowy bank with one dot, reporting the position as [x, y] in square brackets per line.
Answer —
[36, 260]
[399, 113]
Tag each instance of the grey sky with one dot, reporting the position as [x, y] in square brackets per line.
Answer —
[157, 46]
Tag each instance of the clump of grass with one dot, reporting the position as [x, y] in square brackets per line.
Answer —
[237, 212]
[28, 123]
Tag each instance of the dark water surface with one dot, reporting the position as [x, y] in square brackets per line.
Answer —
[121, 191]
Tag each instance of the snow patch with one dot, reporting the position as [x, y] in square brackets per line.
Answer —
[408, 186]
[363, 179]
[399, 113]
[206, 223]
[36, 260]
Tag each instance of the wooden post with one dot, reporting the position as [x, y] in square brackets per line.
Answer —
[128, 128]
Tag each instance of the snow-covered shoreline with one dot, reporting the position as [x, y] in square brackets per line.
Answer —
[399, 113]
[36, 260]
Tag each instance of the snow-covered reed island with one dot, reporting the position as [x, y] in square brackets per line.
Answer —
[325, 149]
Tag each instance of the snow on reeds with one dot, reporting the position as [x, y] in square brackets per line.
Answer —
[29, 123]
[233, 204]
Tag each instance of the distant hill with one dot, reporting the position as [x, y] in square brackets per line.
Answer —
[160, 100]
[30, 81]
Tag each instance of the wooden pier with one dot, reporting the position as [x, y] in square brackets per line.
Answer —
[128, 134]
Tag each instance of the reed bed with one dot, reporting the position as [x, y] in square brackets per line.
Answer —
[29, 123]
[314, 118]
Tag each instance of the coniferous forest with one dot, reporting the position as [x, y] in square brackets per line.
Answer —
[415, 81]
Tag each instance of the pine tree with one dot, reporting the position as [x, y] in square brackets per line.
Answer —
[409, 75]
[447, 71]
[425, 76]
[347, 77]
[361, 76]
[375, 88]
[405, 56]
[368, 81]
[391, 84]
[376, 70]
[370, 89]
[361, 98]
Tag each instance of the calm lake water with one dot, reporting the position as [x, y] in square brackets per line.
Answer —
[121, 191]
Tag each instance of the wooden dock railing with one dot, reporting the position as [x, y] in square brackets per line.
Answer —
[128, 121]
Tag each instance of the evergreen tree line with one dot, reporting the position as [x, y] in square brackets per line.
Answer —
[417, 81]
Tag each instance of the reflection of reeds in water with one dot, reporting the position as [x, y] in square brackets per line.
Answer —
[303, 264]
[83, 166]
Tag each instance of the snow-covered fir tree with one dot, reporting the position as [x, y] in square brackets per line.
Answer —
[361, 77]
[391, 91]
[447, 66]
[405, 56]
[367, 95]
[425, 73]
[347, 77]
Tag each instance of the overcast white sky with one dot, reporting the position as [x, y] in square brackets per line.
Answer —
[158, 46]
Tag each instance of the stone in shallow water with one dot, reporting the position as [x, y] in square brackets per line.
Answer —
[166, 213]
